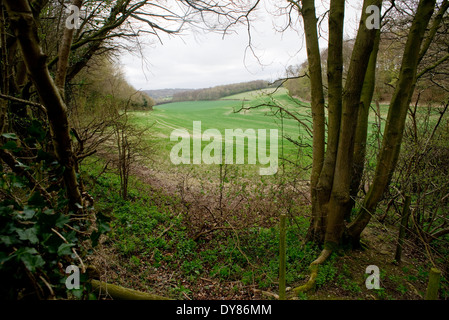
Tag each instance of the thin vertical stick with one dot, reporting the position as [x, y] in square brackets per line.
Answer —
[282, 252]
[404, 223]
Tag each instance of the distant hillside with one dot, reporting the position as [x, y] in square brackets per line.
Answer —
[164, 95]
[213, 93]
[218, 92]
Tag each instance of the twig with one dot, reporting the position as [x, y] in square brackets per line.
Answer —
[34, 104]
[83, 267]
[238, 245]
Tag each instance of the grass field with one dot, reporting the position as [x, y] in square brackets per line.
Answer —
[259, 112]
[222, 114]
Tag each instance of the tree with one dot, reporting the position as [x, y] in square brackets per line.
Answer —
[338, 160]
[47, 221]
[415, 49]
[24, 28]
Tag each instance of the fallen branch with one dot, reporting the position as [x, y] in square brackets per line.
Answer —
[121, 293]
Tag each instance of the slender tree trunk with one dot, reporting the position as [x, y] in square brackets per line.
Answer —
[397, 114]
[340, 195]
[23, 24]
[64, 53]
[318, 116]
[362, 125]
[335, 91]
[4, 80]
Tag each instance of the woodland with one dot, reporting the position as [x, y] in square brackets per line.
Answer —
[87, 190]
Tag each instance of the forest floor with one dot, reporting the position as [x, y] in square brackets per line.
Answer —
[190, 260]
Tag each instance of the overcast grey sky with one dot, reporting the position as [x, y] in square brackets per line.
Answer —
[204, 60]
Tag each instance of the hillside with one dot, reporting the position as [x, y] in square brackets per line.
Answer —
[164, 95]
[212, 93]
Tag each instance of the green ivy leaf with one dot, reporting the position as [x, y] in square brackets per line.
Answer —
[78, 293]
[8, 240]
[10, 145]
[31, 259]
[62, 219]
[27, 213]
[65, 249]
[4, 257]
[10, 136]
[28, 234]
[103, 227]
[36, 131]
[36, 200]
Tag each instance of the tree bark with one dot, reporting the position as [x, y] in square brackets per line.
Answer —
[24, 27]
[335, 92]
[4, 80]
[318, 116]
[362, 126]
[397, 114]
[340, 195]
[64, 53]
[402, 228]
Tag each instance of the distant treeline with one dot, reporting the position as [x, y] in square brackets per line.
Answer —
[219, 92]
[163, 95]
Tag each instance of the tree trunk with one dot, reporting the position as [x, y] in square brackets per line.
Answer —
[335, 92]
[402, 228]
[64, 53]
[318, 117]
[433, 285]
[362, 126]
[340, 194]
[4, 80]
[24, 26]
[397, 115]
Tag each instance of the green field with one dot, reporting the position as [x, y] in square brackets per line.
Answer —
[222, 114]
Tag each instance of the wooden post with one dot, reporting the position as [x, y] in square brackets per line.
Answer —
[282, 253]
[404, 223]
[433, 285]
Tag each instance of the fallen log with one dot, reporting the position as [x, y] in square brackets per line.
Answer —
[121, 293]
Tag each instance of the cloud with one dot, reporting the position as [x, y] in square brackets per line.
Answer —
[205, 60]
[200, 60]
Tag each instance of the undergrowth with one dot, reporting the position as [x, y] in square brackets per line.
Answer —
[149, 231]
[155, 251]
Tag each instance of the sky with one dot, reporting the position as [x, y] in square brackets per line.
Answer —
[201, 60]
